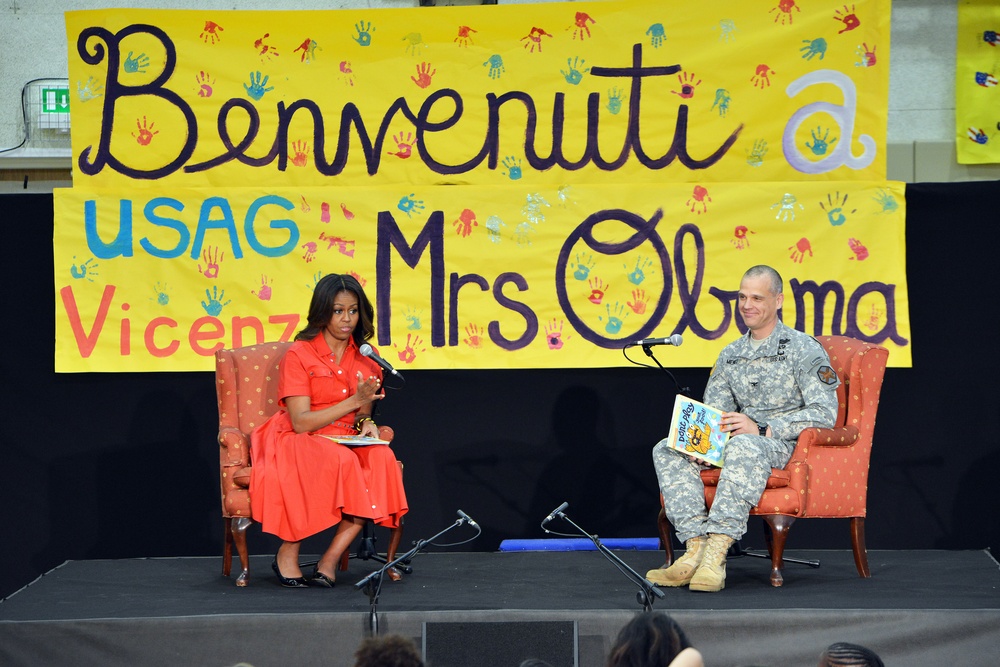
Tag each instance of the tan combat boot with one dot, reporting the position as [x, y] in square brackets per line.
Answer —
[680, 573]
[711, 573]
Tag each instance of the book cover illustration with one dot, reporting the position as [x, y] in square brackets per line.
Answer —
[696, 430]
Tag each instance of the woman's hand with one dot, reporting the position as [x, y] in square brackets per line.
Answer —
[367, 388]
[369, 429]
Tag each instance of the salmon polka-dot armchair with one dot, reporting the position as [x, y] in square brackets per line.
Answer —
[827, 476]
[246, 383]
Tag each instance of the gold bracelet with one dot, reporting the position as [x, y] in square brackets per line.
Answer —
[358, 422]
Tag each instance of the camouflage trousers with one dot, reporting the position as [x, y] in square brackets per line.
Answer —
[748, 463]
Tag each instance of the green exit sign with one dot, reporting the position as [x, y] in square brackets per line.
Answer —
[55, 100]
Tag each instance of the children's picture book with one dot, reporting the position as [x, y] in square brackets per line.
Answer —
[355, 440]
[696, 430]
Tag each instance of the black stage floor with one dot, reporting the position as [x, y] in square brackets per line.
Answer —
[918, 608]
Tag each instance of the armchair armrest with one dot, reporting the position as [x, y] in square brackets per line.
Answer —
[838, 436]
[234, 447]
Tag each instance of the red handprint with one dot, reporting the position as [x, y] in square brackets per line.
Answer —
[145, 133]
[800, 249]
[263, 50]
[347, 214]
[358, 277]
[740, 239]
[324, 212]
[699, 200]
[409, 353]
[465, 222]
[639, 301]
[475, 336]
[404, 149]
[858, 248]
[553, 334]
[688, 85]
[343, 246]
[424, 74]
[310, 253]
[579, 27]
[304, 205]
[212, 257]
[597, 290]
[534, 39]
[346, 73]
[784, 10]
[464, 38]
[211, 32]
[762, 76]
[298, 155]
[848, 17]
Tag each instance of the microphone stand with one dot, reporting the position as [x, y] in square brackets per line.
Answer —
[647, 589]
[372, 584]
[649, 353]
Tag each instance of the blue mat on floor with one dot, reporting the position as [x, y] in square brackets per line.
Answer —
[582, 544]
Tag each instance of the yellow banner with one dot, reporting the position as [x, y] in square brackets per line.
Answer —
[518, 186]
[977, 97]
[606, 92]
[472, 276]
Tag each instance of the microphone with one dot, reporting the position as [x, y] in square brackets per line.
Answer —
[674, 340]
[554, 512]
[468, 519]
[367, 351]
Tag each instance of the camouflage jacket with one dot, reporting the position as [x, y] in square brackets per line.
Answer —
[787, 383]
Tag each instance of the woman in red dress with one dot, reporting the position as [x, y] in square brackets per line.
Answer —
[302, 482]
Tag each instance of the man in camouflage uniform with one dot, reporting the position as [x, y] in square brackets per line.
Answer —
[771, 383]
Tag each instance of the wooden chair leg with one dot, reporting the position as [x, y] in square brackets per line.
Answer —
[238, 529]
[227, 549]
[666, 537]
[778, 526]
[858, 545]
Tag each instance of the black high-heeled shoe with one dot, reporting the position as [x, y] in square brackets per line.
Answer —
[297, 582]
[320, 579]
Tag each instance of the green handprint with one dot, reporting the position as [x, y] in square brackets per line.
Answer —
[365, 31]
[134, 65]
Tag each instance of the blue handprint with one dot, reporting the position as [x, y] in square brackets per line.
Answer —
[412, 319]
[214, 305]
[513, 167]
[574, 76]
[656, 35]
[722, 100]
[84, 270]
[638, 274]
[583, 267]
[162, 297]
[887, 203]
[615, 321]
[522, 233]
[755, 156]
[614, 101]
[493, 225]
[365, 31]
[316, 279]
[813, 47]
[495, 63]
[256, 88]
[133, 65]
[820, 144]
[410, 205]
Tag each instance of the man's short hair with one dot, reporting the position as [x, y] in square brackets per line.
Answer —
[388, 651]
[764, 271]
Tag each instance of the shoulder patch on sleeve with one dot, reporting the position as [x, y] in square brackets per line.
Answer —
[826, 375]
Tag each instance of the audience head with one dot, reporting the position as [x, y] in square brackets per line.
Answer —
[534, 662]
[843, 654]
[388, 651]
[652, 639]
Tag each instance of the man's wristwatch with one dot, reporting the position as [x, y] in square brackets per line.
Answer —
[762, 428]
